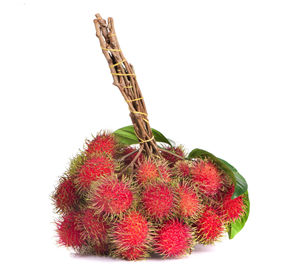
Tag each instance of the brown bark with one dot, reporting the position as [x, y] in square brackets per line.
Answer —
[125, 79]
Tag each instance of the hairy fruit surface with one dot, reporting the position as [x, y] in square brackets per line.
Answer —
[173, 239]
[111, 195]
[207, 177]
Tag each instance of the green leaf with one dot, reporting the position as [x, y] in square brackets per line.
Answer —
[200, 153]
[236, 226]
[159, 137]
[241, 185]
[238, 180]
[126, 135]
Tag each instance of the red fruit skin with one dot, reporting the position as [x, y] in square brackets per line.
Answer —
[172, 159]
[100, 249]
[164, 174]
[68, 233]
[209, 226]
[92, 170]
[207, 178]
[158, 201]
[134, 253]
[102, 143]
[146, 172]
[131, 236]
[188, 203]
[182, 169]
[149, 172]
[93, 228]
[111, 196]
[232, 209]
[65, 196]
[173, 239]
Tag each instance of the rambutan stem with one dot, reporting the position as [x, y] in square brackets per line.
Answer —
[125, 79]
[171, 153]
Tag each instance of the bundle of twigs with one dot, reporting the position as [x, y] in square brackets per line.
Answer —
[125, 79]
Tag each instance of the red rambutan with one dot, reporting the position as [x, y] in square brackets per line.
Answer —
[207, 177]
[182, 169]
[68, 233]
[100, 249]
[188, 203]
[102, 143]
[111, 196]
[76, 163]
[93, 228]
[209, 226]
[134, 253]
[65, 196]
[158, 201]
[92, 170]
[150, 171]
[173, 239]
[232, 209]
[131, 236]
[171, 158]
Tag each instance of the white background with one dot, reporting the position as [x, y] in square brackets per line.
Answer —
[219, 75]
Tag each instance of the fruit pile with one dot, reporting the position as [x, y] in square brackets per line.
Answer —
[158, 205]
[133, 193]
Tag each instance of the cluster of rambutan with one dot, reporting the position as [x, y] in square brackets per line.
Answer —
[160, 205]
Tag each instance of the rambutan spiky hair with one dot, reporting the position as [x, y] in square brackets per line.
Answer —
[68, 233]
[131, 237]
[92, 170]
[150, 171]
[207, 177]
[93, 228]
[76, 163]
[182, 168]
[232, 209]
[111, 196]
[158, 201]
[103, 142]
[188, 201]
[209, 227]
[65, 197]
[173, 239]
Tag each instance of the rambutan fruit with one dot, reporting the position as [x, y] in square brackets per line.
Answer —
[100, 249]
[232, 209]
[131, 236]
[158, 201]
[76, 163]
[68, 232]
[182, 169]
[92, 170]
[134, 253]
[93, 228]
[170, 155]
[209, 226]
[65, 196]
[102, 143]
[150, 171]
[173, 239]
[188, 202]
[111, 196]
[207, 177]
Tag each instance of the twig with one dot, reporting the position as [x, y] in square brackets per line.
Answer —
[174, 154]
[124, 78]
